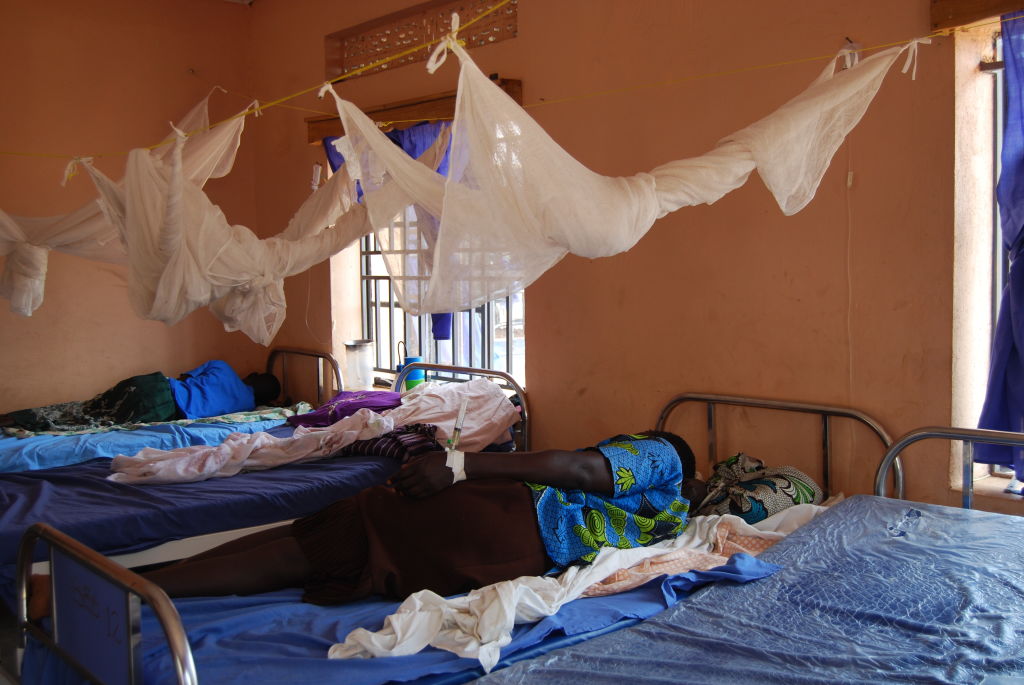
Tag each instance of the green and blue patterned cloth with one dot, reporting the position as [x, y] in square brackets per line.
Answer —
[646, 506]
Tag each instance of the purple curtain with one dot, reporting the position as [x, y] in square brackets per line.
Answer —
[1004, 400]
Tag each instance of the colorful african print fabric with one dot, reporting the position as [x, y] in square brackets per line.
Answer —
[742, 486]
[645, 508]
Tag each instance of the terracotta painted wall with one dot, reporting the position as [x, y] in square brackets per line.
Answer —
[101, 78]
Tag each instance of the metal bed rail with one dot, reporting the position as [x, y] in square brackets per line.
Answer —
[112, 573]
[510, 382]
[826, 413]
[321, 357]
[968, 436]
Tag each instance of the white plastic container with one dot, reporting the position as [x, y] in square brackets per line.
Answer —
[359, 365]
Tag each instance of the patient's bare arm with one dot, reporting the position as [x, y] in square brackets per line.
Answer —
[586, 470]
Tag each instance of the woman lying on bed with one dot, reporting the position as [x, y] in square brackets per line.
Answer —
[211, 389]
[454, 522]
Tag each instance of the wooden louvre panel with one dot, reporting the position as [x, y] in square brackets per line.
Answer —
[949, 13]
[391, 37]
[405, 113]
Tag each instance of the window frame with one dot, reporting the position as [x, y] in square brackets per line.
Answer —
[466, 347]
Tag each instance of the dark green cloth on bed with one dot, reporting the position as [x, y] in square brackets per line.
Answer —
[139, 399]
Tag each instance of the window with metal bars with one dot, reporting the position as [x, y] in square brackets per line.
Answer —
[490, 336]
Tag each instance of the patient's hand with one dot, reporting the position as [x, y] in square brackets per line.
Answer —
[423, 476]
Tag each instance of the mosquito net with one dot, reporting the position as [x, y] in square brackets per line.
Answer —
[511, 206]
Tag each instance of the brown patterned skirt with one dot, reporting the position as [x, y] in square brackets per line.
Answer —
[471, 534]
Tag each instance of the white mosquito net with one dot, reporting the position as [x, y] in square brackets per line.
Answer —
[513, 204]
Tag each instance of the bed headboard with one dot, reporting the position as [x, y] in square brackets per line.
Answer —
[968, 436]
[323, 359]
[824, 411]
[462, 373]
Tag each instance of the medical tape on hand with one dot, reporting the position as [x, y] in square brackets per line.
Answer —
[456, 462]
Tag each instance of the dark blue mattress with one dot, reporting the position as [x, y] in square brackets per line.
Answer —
[116, 518]
[874, 590]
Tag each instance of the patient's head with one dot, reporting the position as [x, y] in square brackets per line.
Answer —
[693, 489]
[686, 458]
[265, 387]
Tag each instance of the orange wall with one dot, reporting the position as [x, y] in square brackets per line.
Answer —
[101, 78]
[849, 302]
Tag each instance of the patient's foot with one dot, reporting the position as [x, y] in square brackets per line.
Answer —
[38, 597]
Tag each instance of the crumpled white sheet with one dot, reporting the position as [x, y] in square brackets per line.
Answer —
[479, 624]
[489, 415]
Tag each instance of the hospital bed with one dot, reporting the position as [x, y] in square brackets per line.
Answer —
[874, 589]
[146, 524]
[140, 525]
[43, 451]
[132, 522]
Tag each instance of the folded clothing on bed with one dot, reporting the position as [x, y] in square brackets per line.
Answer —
[743, 486]
[346, 403]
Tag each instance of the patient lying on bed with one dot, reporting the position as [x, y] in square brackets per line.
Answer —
[210, 389]
[454, 522]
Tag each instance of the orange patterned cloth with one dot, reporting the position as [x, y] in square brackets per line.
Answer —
[727, 542]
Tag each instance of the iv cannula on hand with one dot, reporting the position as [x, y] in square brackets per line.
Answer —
[453, 440]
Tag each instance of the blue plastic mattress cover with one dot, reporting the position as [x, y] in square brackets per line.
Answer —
[874, 590]
[49, 451]
[116, 518]
[275, 638]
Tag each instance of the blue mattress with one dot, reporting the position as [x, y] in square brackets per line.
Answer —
[48, 451]
[874, 590]
[116, 518]
[275, 638]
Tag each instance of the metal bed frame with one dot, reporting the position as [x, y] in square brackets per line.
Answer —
[135, 587]
[321, 357]
[522, 433]
[968, 436]
[826, 413]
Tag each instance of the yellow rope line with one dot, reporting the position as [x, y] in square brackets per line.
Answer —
[613, 91]
[366, 67]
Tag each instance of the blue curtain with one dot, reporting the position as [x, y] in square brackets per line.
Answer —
[1004, 401]
[415, 140]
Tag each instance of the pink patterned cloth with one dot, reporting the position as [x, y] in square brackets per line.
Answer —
[727, 542]
[676, 561]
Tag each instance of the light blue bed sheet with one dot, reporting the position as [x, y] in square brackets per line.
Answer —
[49, 451]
